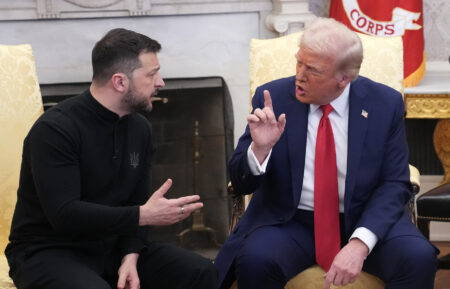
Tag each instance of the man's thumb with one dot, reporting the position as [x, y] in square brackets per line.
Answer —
[164, 188]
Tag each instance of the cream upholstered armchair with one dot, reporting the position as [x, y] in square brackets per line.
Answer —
[20, 106]
[271, 59]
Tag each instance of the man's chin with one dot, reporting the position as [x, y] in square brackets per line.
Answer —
[302, 98]
[147, 108]
[142, 107]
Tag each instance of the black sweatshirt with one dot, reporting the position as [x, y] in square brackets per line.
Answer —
[84, 173]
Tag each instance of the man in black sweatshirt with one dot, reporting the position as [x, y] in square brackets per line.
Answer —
[83, 201]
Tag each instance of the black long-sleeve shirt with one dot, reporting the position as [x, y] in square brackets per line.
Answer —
[84, 173]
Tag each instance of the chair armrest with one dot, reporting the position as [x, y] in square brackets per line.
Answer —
[237, 209]
[415, 182]
[415, 179]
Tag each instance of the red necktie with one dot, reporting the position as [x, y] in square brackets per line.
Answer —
[326, 198]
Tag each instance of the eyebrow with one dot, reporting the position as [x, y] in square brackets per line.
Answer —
[154, 69]
[309, 66]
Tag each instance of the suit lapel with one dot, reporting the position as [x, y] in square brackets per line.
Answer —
[296, 130]
[357, 128]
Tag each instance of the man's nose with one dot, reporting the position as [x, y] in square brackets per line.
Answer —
[300, 74]
[159, 82]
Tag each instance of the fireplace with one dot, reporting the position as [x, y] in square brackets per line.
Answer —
[193, 129]
[193, 132]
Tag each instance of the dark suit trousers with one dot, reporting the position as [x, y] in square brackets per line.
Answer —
[271, 255]
[96, 266]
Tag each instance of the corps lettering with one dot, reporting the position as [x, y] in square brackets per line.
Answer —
[366, 24]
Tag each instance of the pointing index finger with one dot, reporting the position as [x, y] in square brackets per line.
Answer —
[267, 99]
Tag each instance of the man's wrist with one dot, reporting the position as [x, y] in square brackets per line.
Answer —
[141, 215]
[261, 153]
[131, 257]
[366, 236]
[255, 167]
[364, 249]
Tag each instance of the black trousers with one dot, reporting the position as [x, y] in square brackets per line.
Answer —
[160, 266]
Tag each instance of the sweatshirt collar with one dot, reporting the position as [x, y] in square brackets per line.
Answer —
[99, 108]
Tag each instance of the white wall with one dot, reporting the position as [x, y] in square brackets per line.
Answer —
[193, 46]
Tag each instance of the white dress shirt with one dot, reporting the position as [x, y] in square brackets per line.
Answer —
[339, 122]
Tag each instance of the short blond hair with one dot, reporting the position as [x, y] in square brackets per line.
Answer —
[332, 38]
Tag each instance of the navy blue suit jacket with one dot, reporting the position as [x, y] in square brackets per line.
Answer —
[377, 185]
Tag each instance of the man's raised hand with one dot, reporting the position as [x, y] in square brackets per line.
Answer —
[265, 129]
[159, 211]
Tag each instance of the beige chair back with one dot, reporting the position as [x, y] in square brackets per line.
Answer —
[274, 58]
[20, 106]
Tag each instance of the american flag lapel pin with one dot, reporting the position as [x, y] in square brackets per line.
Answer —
[364, 113]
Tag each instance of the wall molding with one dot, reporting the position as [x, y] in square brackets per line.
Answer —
[289, 16]
[69, 9]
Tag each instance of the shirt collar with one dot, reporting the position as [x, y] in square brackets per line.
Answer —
[340, 104]
[99, 108]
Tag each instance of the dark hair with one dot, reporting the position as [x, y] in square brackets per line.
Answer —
[118, 51]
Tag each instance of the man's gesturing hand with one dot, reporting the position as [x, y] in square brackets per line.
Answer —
[265, 129]
[159, 211]
[128, 275]
[347, 264]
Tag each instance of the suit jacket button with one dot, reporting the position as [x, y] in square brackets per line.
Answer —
[281, 219]
[245, 235]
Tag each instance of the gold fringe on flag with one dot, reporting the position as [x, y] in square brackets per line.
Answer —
[414, 78]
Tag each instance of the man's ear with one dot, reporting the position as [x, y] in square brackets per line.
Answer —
[343, 80]
[120, 82]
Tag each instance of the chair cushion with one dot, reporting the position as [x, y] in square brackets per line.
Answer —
[434, 205]
[312, 278]
[274, 58]
[20, 105]
[5, 281]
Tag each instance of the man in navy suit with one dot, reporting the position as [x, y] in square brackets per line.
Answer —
[275, 160]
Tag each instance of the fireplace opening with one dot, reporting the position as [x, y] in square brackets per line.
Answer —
[193, 129]
[193, 136]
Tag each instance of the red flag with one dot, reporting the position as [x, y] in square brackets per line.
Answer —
[387, 18]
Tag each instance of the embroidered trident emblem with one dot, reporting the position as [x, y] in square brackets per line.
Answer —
[134, 160]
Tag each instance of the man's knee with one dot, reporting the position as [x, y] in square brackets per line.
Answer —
[207, 271]
[203, 266]
[201, 272]
[418, 264]
[420, 257]
[272, 254]
[405, 261]
[158, 267]
[257, 263]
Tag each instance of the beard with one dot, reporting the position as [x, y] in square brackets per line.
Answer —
[134, 101]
